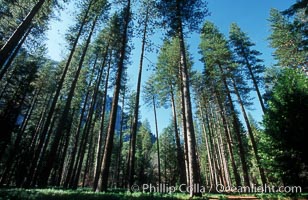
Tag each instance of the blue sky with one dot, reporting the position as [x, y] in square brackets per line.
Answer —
[250, 15]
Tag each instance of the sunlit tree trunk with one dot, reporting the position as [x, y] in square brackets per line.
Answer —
[102, 186]
[237, 131]
[136, 109]
[194, 171]
[252, 138]
[209, 155]
[50, 158]
[180, 158]
[98, 159]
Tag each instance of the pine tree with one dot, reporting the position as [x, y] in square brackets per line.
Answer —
[146, 20]
[150, 95]
[246, 56]
[287, 40]
[218, 63]
[102, 186]
[283, 150]
[175, 14]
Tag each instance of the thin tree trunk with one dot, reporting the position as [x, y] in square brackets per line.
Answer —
[255, 84]
[136, 109]
[80, 122]
[237, 131]
[90, 153]
[8, 48]
[51, 157]
[220, 156]
[89, 119]
[229, 143]
[114, 107]
[209, 156]
[157, 141]
[59, 87]
[101, 131]
[62, 162]
[119, 156]
[252, 138]
[184, 130]
[194, 170]
[12, 57]
[216, 152]
[180, 158]
[16, 148]
[224, 160]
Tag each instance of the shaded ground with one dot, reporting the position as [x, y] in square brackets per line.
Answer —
[58, 194]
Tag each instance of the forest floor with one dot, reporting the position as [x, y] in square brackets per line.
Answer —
[82, 194]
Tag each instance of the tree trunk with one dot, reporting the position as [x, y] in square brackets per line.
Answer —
[89, 118]
[89, 155]
[194, 171]
[237, 130]
[101, 130]
[229, 143]
[16, 37]
[209, 155]
[20, 134]
[136, 109]
[59, 87]
[114, 107]
[184, 130]
[255, 84]
[51, 157]
[252, 138]
[157, 141]
[119, 156]
[180, 158]
[80, 122]
[12, 57]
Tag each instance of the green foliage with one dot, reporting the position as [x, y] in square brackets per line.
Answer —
[287, 40]
[84, 194]
[245, 56]
[284, 150]
[167, 77]
[143, 152]
[176, 13]
[168, 155]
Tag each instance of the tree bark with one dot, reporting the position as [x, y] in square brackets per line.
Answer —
[101, 130]
[237, 130]
[114, 107]
[57, 94]
[13, 55]
[157, 141]
[136, 109]
[50, 158]
[255, 84]
[16, 37]
[252, 138]
[180, 158]
[194, 171]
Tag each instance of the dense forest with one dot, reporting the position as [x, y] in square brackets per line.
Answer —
[76, 123]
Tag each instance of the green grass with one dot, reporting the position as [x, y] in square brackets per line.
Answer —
[86, 194]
